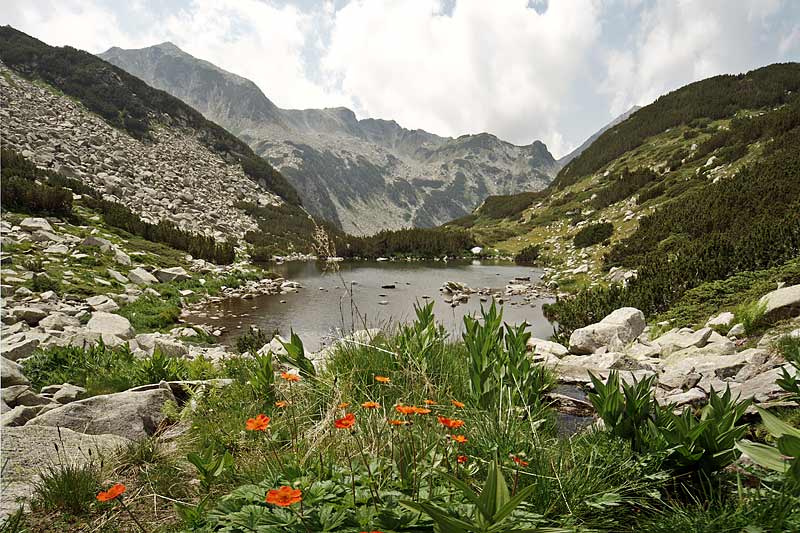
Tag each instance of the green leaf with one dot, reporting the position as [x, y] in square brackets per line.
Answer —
[775, 425]
[763, 455]
[789, 445]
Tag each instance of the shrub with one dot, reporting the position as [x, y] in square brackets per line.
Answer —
[528, 255]
[593, 234]
[151, 312]
[43, 283]
[29, 196]
[751, 316]
[252, 340]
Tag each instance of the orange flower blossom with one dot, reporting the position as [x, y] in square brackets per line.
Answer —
[370, 405]
[284, 496]
[461, 459]
[450, 423]
[421, 411]
[405, 409]
[430, 402]
[382, 379]
[112, 493]
[281, 404]
[457, 404]
[461, 439]
[288, 376]
[394, 422]
[346, 422]
[344, 405]
[259, 423]
[519, 461]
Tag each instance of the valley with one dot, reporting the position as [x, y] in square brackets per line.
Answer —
[223, 316]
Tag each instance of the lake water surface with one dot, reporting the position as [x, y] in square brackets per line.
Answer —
[322, 308]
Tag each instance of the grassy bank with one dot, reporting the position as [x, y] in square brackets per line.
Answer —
[404, 431]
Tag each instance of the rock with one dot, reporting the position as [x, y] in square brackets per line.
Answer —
[165, 275]
[389, 286]
[10, 393]
[19, 416]
[104, 244]
[28, 450]
[108, 323]
[34, 224]
[676, 340]
[60, 249]
[736, 331]
[28, 398]
[274, 346]
[11, 373]
[141, 276]
[615, 331]
[693, 396]
[133, 415]
[69, 393]
[476, 250]
[538, 346]
[121, 257]
[6, 290]
[763, 387]
[722, 319]
[102, 303]
[19, 350]
[170, 347]
[116, 276]
[679, 380]
[781, 303]
[31, 315]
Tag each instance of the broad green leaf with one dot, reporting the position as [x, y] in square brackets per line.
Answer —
[763, 455]
[775, 425]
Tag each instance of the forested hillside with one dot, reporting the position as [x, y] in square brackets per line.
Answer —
[699, 186]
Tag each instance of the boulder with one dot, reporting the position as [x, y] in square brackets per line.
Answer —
[58, 321]
[722, 319]
[133, 415]
[19, 416]
[111, 324]
[538, 346]
[102, 303]
[141, 276]
[60, 249]
[104, 244]
[68, 393]
[614, 332]
[31, 315]
[170, 347]
[27, 450]
[694, 396]
[676, 340]
[781, 303]
[34, 224]
[117, 276]
[121, 257]
[19, 350]
[165, 275]
[11, 373]
[736, 331]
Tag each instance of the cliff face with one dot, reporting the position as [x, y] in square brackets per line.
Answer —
[364, 175]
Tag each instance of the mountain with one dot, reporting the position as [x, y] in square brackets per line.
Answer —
[363, 175]
[580, 149]
[74, 114]
[702, 185]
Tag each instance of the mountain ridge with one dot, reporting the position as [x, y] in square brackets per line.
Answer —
[365, 174]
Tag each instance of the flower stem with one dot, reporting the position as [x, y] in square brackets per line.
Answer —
[127, 510]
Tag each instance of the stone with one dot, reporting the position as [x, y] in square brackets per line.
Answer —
[69, 393]
[722, 319]
[31, 315]
[781, 303]
[6, 290]
[615, 331]
[694, 396]
[19, 415]
[121, 257]
[141, 276]
[679, 380]
[11, 373]
[736, 331]
[170, 347]
[165, 275]
[59, 321]
[116, 276]
[28, 450]
[763, 387]
[102, 303]
[19, 350]
[34, 224]
[28, 398]
[538, 346]
[108, 323]
[133, 415]
[676, 340]
[60, 249]
[104, 244]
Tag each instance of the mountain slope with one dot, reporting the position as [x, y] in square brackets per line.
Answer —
[588, 142]
[74, 113]
[364, 175]
[699, 186]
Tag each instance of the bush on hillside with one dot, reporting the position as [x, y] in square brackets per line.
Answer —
[528, 255]
[593, 234]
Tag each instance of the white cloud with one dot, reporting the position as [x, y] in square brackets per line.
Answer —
[487, 66]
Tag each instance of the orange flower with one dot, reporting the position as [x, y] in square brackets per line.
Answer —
[370, 405]
[259, 423]
[347, 422]
[461, 459]
[281, 404]
[461, 439]
[430, 402]
[519, 461]
[457, 404]
[450, 423]
[382, 379]
[405, 409]
[284, 496]
[395, 422]
[344, 405]
[421, 411]
[288, 376]
[112, 493]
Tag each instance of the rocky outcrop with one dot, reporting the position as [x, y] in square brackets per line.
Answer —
[781, 303]
[133, 415]
[110, 324]
[613, 332]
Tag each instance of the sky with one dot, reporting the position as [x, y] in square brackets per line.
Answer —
[524, 70]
